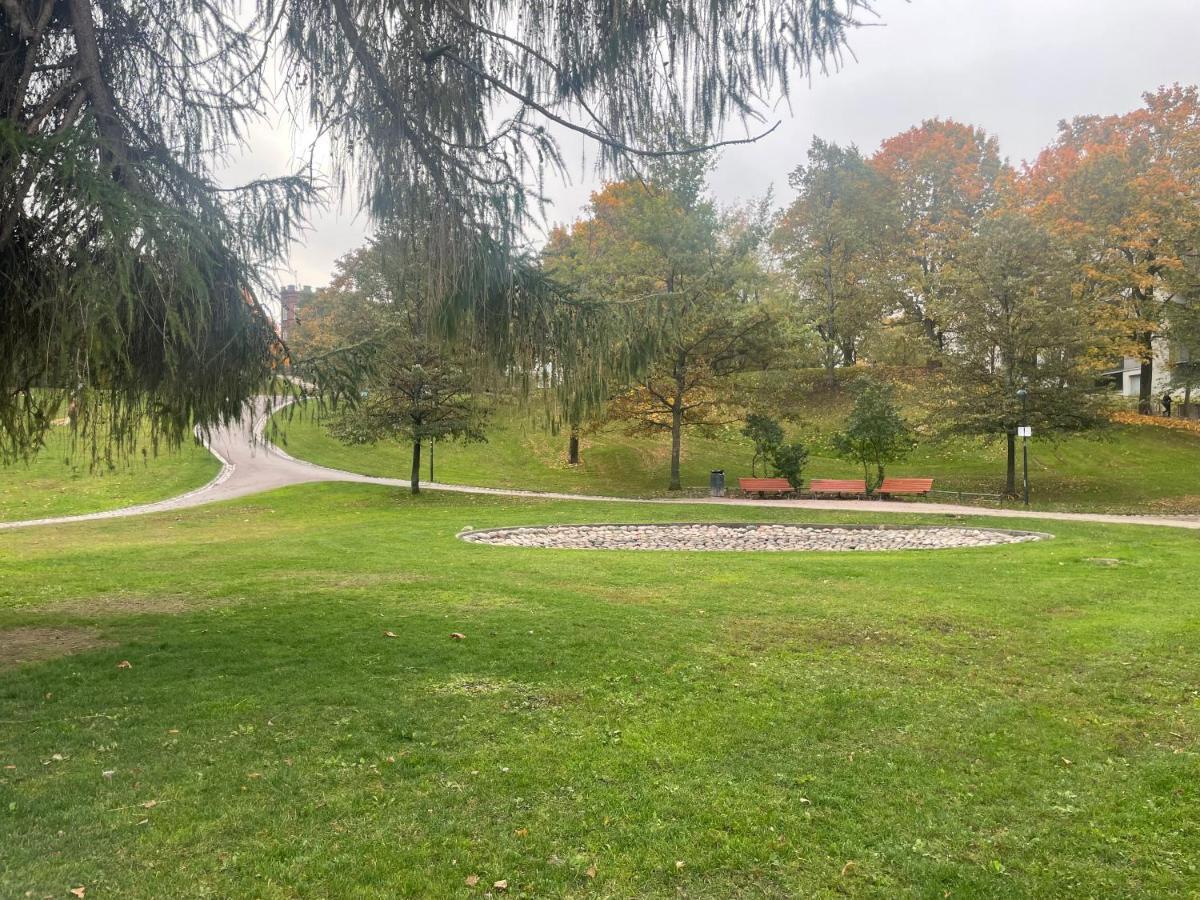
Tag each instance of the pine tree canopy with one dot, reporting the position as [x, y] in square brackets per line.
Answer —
[132, 279]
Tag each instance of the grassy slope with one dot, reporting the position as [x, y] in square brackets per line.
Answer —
[59, 482]
[1131, 469]
[1001, 722]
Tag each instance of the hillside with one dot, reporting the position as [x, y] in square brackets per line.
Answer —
[1127, 468]
[60, 481]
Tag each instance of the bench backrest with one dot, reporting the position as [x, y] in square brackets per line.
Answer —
[764, 484]
[906, 486]
[837, 486]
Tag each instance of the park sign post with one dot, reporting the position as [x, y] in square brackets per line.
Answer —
[1024, 431]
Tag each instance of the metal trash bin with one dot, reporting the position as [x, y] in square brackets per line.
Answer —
[716, 483]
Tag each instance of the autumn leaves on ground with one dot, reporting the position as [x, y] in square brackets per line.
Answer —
[265, 698]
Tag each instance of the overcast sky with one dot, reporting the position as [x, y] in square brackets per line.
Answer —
[1013, 67]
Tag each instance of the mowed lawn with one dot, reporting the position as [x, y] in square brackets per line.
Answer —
[1122, 469]
[1011, 721]
[62, 481]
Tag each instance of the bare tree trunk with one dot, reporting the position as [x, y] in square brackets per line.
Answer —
[415, 481]
[1146, 385]
[676, 441]
[573, 448]
[935, 340]
[830, 367]
[1010, 478]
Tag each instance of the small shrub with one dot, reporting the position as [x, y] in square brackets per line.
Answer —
[766, 434]
[788, 461]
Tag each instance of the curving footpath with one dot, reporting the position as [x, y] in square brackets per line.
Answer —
[252, 465]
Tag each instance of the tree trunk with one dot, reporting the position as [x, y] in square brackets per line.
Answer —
[935, 340]
[415, 481]
[1010, 477]
[573, 448]
[676, 440]
[1146, 385]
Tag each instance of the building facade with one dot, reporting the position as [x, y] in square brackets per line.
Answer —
[292, 300]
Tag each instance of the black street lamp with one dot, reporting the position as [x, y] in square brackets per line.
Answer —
[1024, 431]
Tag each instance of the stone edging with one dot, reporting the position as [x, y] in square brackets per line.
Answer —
[775, 536]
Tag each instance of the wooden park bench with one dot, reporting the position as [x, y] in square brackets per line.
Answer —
[836, 486]
[764, 486]
[892, 486]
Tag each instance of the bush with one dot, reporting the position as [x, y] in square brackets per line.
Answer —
[766, 434]
[788, 461]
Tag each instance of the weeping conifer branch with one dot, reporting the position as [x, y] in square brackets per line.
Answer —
[130, 278]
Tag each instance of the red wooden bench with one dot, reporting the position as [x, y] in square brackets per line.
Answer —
[764, 486]
[906, 486]
[836, 486]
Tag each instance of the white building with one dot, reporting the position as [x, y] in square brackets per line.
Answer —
[1129, 376]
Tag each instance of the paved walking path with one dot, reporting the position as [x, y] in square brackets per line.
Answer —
[253, 465]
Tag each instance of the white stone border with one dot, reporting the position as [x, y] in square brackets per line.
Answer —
[743, 537]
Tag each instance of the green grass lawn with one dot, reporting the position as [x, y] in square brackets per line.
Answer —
[1128, 469]
[1013, 721]
[61, 482]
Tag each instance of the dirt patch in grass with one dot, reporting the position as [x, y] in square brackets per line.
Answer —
[514, 695]
[757, 635]
[29, 644]
[1189, 504]
[955, 628]
[108, 605]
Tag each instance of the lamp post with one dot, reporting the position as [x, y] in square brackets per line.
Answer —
[1024, 431]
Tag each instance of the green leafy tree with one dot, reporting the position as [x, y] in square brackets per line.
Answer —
[687, 278]
[1014, 320]
[830, 242]
[418, 394]
[419, 387]
[766, 434]
[875, 434]
[132, 277]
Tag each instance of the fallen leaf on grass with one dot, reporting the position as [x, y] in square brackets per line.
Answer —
[501, 885]
[79, 891]
[521, 832]
[591, 872]
[848, 868]
[389, 634]
[123, 664]
[472, 880]
[458, 636]
[678, 865]
[149, 804]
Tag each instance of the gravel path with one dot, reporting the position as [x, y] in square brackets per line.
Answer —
[768, 538]
[251, 465]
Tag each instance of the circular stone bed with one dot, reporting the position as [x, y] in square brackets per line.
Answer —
[687, 536]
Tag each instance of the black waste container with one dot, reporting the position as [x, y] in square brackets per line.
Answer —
[716, 482]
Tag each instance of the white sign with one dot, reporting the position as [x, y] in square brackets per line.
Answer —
[1024, 431]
